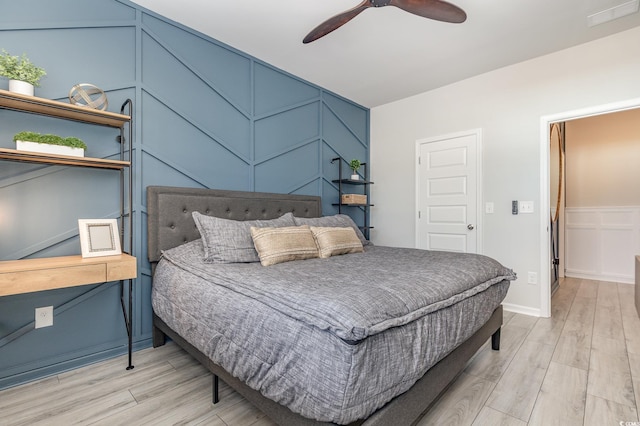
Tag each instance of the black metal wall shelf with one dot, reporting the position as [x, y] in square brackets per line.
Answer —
[365, 183]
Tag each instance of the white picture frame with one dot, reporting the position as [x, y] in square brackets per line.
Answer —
[99, 237]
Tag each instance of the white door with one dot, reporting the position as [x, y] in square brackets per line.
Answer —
[447, 193]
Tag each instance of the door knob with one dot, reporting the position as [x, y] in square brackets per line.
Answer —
[470, 227]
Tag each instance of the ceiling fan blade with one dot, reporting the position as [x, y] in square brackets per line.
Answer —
[432, 9]
[335, 22]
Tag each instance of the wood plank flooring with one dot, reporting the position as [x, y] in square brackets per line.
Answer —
[580, 367]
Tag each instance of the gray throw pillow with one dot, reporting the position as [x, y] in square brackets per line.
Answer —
[229, 241]
[335, 221]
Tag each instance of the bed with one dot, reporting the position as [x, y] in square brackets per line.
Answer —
[279, 335]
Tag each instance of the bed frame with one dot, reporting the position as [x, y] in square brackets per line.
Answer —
[170, 224]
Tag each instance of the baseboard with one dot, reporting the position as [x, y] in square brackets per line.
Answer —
[609, 278]
[519, 309]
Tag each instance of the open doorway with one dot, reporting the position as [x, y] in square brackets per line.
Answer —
[556, 200]
[545, 228]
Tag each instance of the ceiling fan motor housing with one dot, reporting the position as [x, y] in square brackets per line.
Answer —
[379, 3]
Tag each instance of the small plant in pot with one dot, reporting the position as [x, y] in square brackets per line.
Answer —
[23, 75]
[355, 165]
[50, 144]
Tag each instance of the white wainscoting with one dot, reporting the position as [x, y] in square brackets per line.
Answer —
[601, 243]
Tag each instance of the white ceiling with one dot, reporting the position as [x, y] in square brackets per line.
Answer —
[386, 54]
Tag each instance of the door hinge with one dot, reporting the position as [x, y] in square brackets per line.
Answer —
[419, 160]
[419, 215]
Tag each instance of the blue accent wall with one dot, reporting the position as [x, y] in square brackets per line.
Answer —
[205, 115]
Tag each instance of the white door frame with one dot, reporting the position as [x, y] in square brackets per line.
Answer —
[545, 122]
[479, 199]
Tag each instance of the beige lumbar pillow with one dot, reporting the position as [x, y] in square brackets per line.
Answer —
[277, 245]
[335, 241]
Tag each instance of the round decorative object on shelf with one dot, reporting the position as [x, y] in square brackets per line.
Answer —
[84, 94]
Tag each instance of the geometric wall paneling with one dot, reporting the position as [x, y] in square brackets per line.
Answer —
[336, 134]
[288, 171]
[205, 115]
[60, 245]
[275, 90]
[26, 357]
[189, 96]
[143, 265]
[329, 197]
[110, 10]
[310, 188]
[65, 67]
[115, 46]
[37, 210]
[222, 67]
[330, 170]
[276, 133]
[175, 140]
[143, 316]
[158, 172]
[354, 117]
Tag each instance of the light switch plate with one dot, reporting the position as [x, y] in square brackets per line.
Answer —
[488, 207]
[526, 206]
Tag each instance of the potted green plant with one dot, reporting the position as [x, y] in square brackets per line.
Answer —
[355, 165]
[23, 75]
[49, 144]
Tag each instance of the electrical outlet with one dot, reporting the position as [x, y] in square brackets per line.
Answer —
[532, 278]
[44, 317]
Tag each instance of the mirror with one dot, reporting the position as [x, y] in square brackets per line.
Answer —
[556, 165]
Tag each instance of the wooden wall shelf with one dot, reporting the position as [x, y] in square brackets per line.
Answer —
[31, 275]
[51, 108]
[65, 160]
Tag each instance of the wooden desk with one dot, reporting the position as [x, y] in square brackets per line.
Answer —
[30, 275]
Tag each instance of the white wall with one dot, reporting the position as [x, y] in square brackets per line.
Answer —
[507, 104]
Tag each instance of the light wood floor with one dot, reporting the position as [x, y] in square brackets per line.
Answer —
[580, 367]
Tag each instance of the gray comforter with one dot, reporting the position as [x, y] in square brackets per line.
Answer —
[332, 339]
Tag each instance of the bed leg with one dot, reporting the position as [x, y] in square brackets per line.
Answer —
[495, 340]
[216, 399]
[158, 337]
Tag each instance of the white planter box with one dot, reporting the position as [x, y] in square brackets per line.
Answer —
[22, 87]
[49, 149]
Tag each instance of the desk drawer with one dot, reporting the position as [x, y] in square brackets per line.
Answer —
[48, 279]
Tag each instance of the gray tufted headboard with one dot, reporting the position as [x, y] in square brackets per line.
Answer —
[169, 220]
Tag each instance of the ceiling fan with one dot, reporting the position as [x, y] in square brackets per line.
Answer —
[432, 9]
